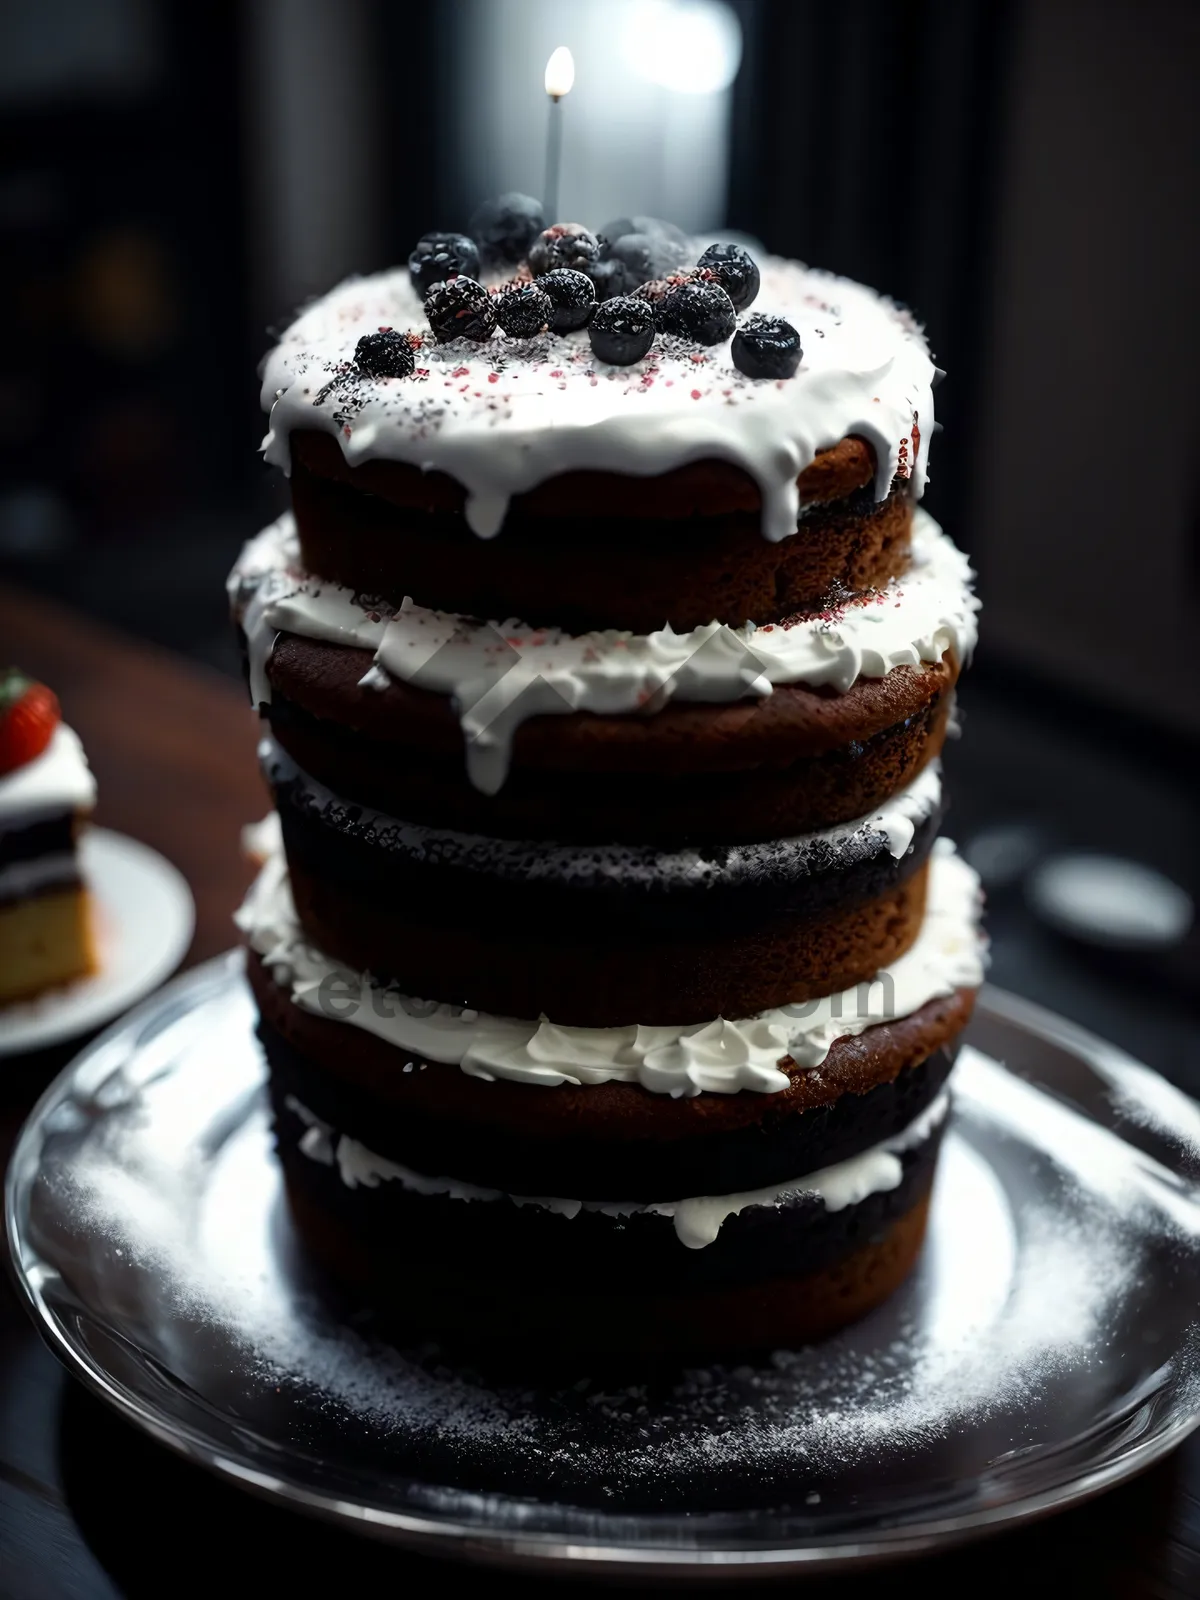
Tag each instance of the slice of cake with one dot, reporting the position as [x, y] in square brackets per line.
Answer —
[609, 966]
[46, 796]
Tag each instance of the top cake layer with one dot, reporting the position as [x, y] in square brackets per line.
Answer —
[521, 433]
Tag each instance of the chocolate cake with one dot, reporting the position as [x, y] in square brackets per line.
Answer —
[46, 796]
[608, 961]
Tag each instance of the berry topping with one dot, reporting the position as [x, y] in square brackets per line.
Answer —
[386, 354]
[699, 311]
[735, 270]
[664, 233]
[622, 330]
[29, 715]
[523, 310]
[609, 278]
[572, 298]
[766, 347]
[505, 228]
[460, 309]
[566, 244]
[439, 256]
[646, 255]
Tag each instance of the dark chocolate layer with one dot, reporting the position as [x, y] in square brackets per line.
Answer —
[518, 884]
[597, 1327]
[47, 837]
[595, 972]
[587, 1164]
[523, 1245]
[796, 761]
[579, 563]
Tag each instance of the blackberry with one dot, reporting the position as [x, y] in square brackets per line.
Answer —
[572, 297]
[386, 354]
[523, 310]
[505, 228]
[699, 311]
[622, 330]
[565, 244]
[736, 271]
[439, 256]
[766, 347]
[460, 309]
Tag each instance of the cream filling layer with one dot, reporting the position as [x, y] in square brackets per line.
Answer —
[720, 1057]
[501, 674]
[57, 780]
[503, 416]
[697, 1220]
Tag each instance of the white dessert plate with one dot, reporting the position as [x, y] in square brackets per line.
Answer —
[145, 915]
[1045, 1348]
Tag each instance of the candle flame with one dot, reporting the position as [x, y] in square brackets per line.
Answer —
[560, 73]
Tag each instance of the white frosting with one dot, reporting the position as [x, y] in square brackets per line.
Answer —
[697, 1219]
[58, 780]
[505, 416]
[20, 878]
[891, 827]
[500, 674]
[720, 1057]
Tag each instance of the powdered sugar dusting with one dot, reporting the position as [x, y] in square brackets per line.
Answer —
[164, 1211]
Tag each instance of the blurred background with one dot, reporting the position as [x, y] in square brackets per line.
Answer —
[176, 179]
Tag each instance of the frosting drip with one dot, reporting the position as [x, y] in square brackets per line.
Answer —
[891, 828]
[720, 1057]
[58, 780]
[501, 674]
[507, 415]
[697, 1219]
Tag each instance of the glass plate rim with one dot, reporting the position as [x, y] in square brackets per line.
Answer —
[550, 1552]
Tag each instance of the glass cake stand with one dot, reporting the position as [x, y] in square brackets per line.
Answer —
[1046, 1347]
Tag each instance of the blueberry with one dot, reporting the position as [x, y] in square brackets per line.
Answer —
[622, 330]
[505, 228]
[699, 311]
[610, 279]
[438, 256]
[665, 232]
[572, 296]
[386, 354]
[460, 309]
[766, 347]
[642, 258]
[565, 244]
[736, 272]
[523, 310]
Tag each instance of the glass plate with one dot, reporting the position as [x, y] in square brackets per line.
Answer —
[1045, 1348]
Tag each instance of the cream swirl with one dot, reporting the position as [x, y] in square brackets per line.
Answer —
[501, 674]
[504, 416]
[724, 1056]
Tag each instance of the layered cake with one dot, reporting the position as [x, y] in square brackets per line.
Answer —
[608, 961]
[46, 796]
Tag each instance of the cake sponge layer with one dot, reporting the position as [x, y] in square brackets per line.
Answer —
[45, 940]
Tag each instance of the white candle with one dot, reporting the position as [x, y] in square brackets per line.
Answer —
[560, 76]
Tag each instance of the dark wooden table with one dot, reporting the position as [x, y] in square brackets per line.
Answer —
[90, 1508]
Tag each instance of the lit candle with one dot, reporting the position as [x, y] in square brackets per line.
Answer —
[560, 75]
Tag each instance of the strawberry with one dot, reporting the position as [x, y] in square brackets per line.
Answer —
[29, 714]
